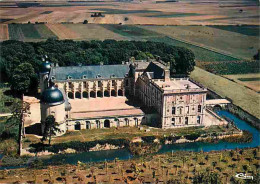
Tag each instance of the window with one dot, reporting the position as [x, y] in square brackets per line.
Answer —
[173, 121]
[180, 110]
[84, 84]
[126, 82]
[198, 119]
[187, 110]
[186, 120]
[70, 85]
[113, 83]
[99, 83]
[173, 110]
[199, 108]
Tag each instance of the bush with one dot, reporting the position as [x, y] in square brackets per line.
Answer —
[77, 145]
[192, 137]
[148, 139]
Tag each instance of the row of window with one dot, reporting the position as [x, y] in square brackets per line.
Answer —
[187, 110]
[99, 84]
[174, 120]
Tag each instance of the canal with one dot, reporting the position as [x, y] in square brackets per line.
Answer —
[124, 154]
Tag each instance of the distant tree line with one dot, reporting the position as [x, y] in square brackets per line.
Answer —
[14, 55]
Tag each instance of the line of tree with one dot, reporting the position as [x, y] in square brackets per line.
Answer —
[14, 55]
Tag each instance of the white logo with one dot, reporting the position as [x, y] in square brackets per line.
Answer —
[244, 176]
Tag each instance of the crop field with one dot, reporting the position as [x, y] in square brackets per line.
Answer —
[139, 12]
[249, 30]
[4, 34]
[201, 54]
[251, 81]
[62, 31]
[130, 31]
[29, 32]
[93, 32]
[241, 96]
[230, 42]
[231, 67]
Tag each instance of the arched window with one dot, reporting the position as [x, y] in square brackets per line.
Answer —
[113, 93]
[120, 92]
[85, 94]
[70, 95]
[77, 95]
[77, 126]
[99, 94]
[92, 94]
[107, 123]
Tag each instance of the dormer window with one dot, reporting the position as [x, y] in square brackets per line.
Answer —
[112, 76]
[126, 75]
[69, 77]
[84, 76]
[52, 77]
[98, 76]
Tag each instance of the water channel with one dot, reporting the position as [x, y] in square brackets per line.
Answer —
[124, 154]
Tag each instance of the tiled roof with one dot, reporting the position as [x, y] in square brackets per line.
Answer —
[89, 72]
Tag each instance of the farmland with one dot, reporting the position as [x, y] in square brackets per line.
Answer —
[4, 34]
[241, 96]
[93, 32]
[251, 81]
[231, 67]
[29, 32]
[178, 167]
[228, 53]
[138, 12]
[220, 40]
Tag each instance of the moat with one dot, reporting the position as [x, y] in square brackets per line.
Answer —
[124, 154]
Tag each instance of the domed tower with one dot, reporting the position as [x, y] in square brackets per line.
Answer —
[44, 74]
[53, 103]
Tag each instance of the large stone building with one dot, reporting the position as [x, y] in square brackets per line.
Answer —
[174, 102]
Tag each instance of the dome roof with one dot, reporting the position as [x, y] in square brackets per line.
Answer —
[52, 96]
[45, 67]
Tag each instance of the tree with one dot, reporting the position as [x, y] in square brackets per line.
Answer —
[185, 61]
[207, 178]
[50, 129]
[257, 56]
[17, 119]
[22, 78]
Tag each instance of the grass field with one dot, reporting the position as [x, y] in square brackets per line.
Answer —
[241, 96]
[252, 81]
